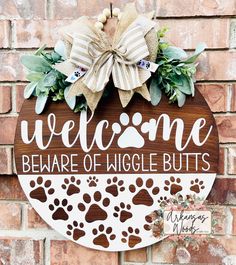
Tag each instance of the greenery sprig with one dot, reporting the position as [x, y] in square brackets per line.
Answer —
[46, 82]
[175, 74]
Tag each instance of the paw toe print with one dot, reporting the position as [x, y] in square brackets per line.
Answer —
[115, 186]
[197, 185]
[103, 236]
[163, 200]
[130, 137]
[41, 189]
[92, 181]
[123, 212]
[131, 237]
[95, 205]
[173, 185]
[71, 186]
[142, 195]
[60, 209]
[76, 230]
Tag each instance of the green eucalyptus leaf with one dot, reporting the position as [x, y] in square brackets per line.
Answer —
[40, 88]
[71, 101]
[29, 89]
[35, 63]
[55, 57]
[175, 53]
[191, 82]
[50, 79]
[200, 48]
[34, 76]
[155, 92]
[180, 98]
[183, 84]
[40, 103]
[60, 48]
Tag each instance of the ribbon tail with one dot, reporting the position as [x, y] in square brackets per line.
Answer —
[125, 96]
[143, 91]
[92, 98]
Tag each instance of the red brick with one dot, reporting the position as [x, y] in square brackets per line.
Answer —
[213, 252]
[21, 251]
[35, 33]
[34, 220]
[164, 252]
[5, 160]
[69, 253]
[233, 98]
[217, 65]
[187, 33]
[221, 166]
[10, 217]
[229, 243]
[226, 128]
[11, 68]
[19, 96]
[232, 161]
[29, 9]
[5, 34]
[137, 255]
[220, 215]
[75, 9]
[7, 129]
[215, 95]
[179, 8]
[223, 191]
[11, 189]
[5, 99]
[233, 228]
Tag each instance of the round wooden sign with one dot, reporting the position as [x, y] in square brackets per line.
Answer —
[94, 178]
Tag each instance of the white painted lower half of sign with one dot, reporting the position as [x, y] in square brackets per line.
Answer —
[107, 212]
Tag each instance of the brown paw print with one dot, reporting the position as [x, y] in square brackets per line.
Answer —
[76, 230]
[149, 220]
[173, 185]
[71, 186]
[92, 181]
[95, 207]
[142, 195]
[197, 185]
[114, 186]
[123, 212]
[103, 236]
[41, 189]
[131, 237]
[60, 209]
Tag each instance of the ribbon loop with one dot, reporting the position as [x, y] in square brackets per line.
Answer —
[102, 60]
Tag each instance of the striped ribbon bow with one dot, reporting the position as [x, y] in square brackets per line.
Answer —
[102, 59]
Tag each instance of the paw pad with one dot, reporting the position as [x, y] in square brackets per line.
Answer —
[40, 189]
[142, 194]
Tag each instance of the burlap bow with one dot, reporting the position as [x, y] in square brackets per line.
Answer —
[92, 49]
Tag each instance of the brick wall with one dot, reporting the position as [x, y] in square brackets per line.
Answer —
[25, 24]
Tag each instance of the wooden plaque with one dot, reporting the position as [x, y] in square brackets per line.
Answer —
[94, 178]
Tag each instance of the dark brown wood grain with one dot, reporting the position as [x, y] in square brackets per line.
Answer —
[110, 109]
